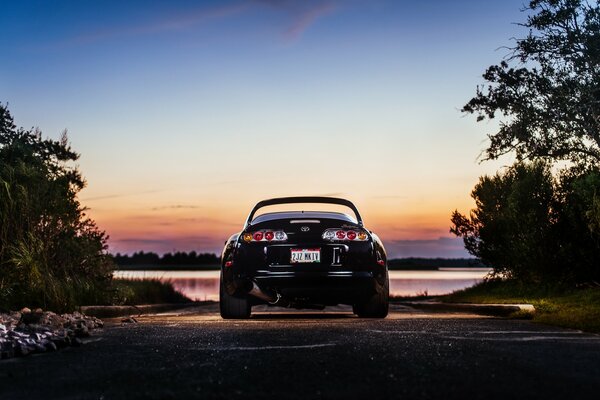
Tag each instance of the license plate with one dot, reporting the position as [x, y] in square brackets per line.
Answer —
[305, 256]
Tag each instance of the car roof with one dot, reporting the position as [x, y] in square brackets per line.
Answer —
[305, 199]
[303, 215]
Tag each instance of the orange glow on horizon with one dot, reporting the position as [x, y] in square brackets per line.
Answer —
[203, 228]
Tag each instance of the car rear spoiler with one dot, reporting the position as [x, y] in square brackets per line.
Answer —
[304, 199]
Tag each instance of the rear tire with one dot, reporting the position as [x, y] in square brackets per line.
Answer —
[233, 307]
[377, 305]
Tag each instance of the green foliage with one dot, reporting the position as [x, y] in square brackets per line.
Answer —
[578, 192]
[548, 89]
[533, 227]
[51, 254]
[510, 229]
[577, 308]
[528, 224]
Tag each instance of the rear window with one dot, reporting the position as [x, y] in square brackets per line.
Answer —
[270, 216]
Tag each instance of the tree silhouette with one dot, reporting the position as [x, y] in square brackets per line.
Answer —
[547, 90]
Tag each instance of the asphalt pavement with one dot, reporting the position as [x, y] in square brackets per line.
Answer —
[289, 354]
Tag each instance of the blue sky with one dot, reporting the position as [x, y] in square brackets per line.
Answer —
[212, 106]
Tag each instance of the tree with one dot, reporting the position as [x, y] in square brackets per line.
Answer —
[511, 228]
[51, 254]
[532, 226]
[547, 90]
[578, 215]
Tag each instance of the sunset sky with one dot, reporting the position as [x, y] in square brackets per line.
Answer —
[186, 113]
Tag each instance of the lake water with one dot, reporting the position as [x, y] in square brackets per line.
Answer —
[204, 285]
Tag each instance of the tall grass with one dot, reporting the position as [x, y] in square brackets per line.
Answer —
[147, 291]
[567, 306]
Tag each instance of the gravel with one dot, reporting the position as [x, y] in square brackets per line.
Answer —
[25, 332]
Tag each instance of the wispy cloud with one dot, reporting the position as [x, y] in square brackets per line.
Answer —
[176, 207]
[115, 196]
[332, 194]
[390, 197]
[302, 15]
[212, 221]
[306, 18]
[189, 19]
[153, 219]
[139, 241]
[198, 240]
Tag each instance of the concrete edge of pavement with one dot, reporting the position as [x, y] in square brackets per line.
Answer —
[498, 310]
[120, 311]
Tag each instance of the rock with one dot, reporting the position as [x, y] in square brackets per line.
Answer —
[51, 319]
[82, 331]
[129, 320]
[59, 342]
[21, 349]
[17, 334]
[50, 346]
[10, 320]
[40, 348]
[7, 350]
[26, 332]
[31, 317]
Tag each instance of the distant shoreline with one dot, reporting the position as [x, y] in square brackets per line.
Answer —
[396, 264]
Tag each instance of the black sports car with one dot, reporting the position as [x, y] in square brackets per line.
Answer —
[304, 259]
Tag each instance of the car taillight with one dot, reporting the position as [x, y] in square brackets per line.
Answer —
[265, 235]
[280, 235]
[345, 235]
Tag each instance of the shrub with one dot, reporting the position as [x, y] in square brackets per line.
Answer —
[51, 254]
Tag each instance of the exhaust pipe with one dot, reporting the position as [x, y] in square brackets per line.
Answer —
[259, 293]
[276, 299]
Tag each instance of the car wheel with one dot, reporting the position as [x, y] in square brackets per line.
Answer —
[375, 306]
[233, 307]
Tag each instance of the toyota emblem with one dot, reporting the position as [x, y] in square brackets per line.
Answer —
[305, 229]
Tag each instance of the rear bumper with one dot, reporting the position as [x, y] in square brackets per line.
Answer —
[351, 275]
[323, 287]
[328, 279]
[331, 287]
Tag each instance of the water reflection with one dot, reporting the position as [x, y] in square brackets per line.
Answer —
[204, 285]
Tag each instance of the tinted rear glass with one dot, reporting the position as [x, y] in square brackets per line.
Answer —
[303, 215]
